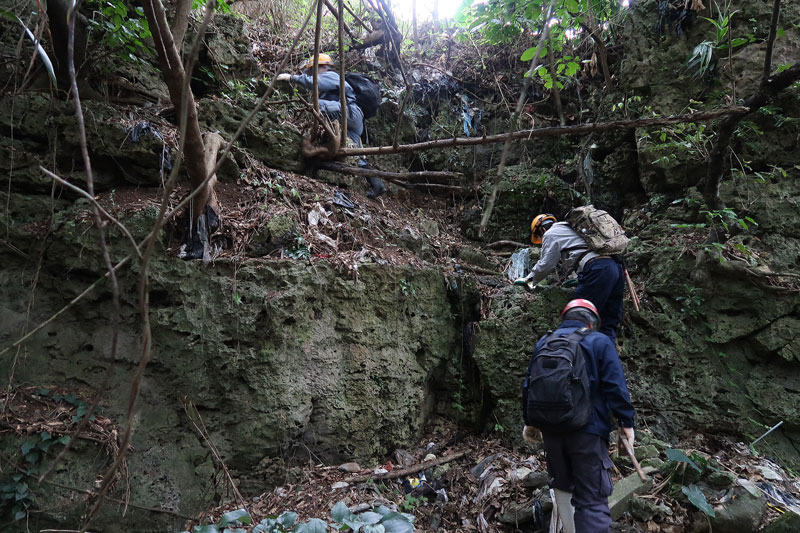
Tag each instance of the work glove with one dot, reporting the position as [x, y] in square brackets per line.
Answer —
[284, 77]
[531, 435]
[627, 434]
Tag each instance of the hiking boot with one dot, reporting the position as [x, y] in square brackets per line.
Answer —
[378, 188]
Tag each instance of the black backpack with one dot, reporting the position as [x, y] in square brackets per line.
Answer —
[555, 395]
[368, 93]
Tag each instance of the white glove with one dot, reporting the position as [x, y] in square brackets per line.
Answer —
[284, 77]
[627, 434]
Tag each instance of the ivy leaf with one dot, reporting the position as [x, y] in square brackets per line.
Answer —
[698, 499]
[211, 528]
[370, 518]
[340, 512]
[287, 519]
[397, 524]
[231, 518]
[315, 525]
[28, 446]
[680, 457]
[377, 528]
[527, 55]
[572, 68]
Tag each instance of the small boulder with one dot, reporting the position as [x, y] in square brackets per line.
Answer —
[351, 468]
[643, 509]
[536, 480]
[624, 490]
[788, 523]
[721, 479]
[516, 513]
[742, 513]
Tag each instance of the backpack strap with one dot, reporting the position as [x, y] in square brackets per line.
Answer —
[579, 334]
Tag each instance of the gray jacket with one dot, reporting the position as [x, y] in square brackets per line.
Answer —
[560, 243]
[328, 85]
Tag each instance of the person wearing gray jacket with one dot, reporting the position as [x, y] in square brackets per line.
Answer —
[601, 279]
[330, 105]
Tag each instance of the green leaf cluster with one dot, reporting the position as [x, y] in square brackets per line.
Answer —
[381, 520]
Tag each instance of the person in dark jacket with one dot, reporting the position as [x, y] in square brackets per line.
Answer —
[330, 105]
[578, 461]
[601, 279]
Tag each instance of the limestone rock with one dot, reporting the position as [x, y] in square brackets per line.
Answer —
[351, 468]
[624, 490]
[743, 512]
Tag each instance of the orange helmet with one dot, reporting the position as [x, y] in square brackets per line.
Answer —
[581, 303]
[539, 225]
[324, 59]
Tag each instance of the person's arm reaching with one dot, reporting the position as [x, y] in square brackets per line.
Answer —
[548, 260]
[614, 386]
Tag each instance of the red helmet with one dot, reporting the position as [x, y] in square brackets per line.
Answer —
[581, 303]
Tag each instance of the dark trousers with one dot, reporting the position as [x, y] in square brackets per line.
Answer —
[578, 463]
[355, 127]
[355, 118]
[602, 282]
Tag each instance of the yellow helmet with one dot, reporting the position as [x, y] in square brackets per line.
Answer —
[324, 59]
[539, 225]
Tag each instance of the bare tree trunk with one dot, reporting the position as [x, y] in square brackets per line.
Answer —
[556, 90]
[181, 22]
[172, 68]
[317, 32]
[57, 15]
[342, 82]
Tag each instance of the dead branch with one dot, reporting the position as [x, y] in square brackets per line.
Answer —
[498, 244]
[412, 176]
[554, 131]
[397, 473]
[479, 270]
[342, 83]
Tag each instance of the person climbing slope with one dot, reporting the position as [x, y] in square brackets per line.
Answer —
[601, 277]
[575, 384]
[330, 106]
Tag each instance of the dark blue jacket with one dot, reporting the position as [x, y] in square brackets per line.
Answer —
[607, 386]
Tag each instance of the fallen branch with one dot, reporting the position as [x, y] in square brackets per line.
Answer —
[554, 131]
[413, 176]
[479, 270]
[394, 474]
[498, 244]
[429, 186]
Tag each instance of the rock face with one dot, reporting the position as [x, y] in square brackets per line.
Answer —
[279, 359]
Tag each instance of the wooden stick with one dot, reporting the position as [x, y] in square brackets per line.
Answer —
[413, 176]
[634, 296]
[498, 244]
[394, 474]
[553, 131]
[633, 458]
